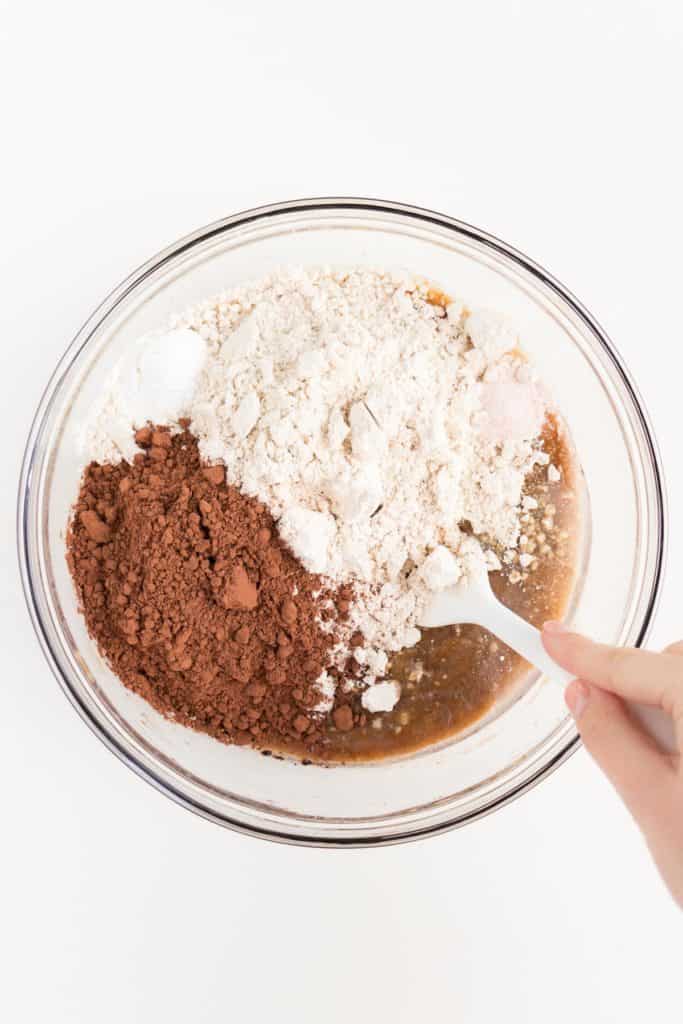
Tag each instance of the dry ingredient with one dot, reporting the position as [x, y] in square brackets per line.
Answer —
[196, 602]
[389, 437]
[153, 383]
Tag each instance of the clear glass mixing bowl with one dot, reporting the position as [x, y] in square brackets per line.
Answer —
[439, 788]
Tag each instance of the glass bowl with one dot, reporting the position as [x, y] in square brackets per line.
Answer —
[506, 754]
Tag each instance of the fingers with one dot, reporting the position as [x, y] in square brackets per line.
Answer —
[648, 780]
[636, 768]
[632, 674]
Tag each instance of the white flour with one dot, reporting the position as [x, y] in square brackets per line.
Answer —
[371, 424]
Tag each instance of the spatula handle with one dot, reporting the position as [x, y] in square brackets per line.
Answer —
[526, 640]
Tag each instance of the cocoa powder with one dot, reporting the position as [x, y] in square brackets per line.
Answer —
[196, 603]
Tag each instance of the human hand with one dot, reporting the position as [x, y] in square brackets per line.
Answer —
[649, 781]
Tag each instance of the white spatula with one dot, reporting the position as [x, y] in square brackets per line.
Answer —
[474, 602]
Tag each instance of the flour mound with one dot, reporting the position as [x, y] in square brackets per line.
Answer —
[390, 437]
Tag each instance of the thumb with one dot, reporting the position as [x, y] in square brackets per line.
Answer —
[639, 772]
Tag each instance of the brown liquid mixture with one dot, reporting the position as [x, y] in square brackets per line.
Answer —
[455, 674]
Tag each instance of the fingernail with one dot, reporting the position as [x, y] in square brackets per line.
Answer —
[555, 627]
[576, 695]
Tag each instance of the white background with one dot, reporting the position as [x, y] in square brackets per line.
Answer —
[555, 126]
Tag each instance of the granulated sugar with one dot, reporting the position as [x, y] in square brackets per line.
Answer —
[390, 438]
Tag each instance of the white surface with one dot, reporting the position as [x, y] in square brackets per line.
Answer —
[554, 126]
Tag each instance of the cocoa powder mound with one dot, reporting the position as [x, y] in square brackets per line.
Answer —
[196, 603]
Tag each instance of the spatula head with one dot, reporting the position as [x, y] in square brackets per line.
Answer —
[459, 604]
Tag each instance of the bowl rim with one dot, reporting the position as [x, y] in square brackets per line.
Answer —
[136, 278]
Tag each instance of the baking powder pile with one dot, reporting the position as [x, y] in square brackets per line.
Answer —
[387, 434]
